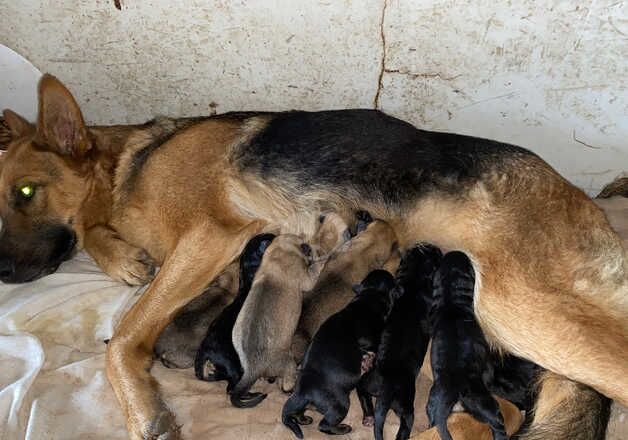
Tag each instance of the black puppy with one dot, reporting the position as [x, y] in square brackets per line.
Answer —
[403, 345]
[217, 348]
[332, 364]
[460, 353]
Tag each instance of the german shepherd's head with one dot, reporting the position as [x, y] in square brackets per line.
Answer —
[45, 178]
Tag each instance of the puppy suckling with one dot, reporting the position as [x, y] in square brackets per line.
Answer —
[262, 334]
[178, 343]
[459, 353]
[367, 251]
[216, 351]
[332, 366]
[514, 379]
[331, 234]
[403, 345]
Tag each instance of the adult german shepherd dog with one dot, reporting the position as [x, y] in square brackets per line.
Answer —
[187, 195]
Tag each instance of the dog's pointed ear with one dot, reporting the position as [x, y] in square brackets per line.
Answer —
[60, 125]
[18, 126]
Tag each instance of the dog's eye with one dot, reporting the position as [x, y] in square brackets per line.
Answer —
[26, 191]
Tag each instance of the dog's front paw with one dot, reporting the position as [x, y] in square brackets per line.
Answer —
[130, 265]
[162, 427]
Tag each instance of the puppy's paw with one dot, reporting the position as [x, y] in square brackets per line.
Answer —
[130, 264]
[162, 427]
[368, 359]
[368, 421]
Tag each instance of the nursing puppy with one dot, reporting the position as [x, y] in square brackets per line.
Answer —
[367, 251]
[178, 343]
[263, 332]
[216, 351]
[403, 345]
[332, 366]
[331, 234]
[460, 353]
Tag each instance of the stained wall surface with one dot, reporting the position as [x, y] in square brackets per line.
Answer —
[547, 75]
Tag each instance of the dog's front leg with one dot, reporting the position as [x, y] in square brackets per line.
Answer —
[198, 258]
[117, 258]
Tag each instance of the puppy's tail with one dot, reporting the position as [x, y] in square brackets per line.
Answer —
[293, 406]
[382, 406]
[241, 397]
[566, 409]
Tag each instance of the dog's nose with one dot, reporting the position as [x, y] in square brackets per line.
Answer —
[7, 269]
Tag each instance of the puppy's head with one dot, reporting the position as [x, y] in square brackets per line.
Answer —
[417, 268]
[379, 285]
[290, 257]
[45, 178]
[251, 258]
[331, 234]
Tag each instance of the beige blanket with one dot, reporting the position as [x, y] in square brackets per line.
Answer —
[53, 383]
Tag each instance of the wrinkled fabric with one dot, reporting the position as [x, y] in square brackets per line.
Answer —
[52, 366]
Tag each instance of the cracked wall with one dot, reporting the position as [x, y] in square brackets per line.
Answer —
[547, 75]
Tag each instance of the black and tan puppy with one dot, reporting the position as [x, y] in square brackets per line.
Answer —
[332, 366]
[367, 251]
[178, 343]
[216, 351]
[460, 354]
[403, 345]
[262, 334]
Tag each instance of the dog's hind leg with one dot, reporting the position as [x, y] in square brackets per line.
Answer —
[292, 414]
[439, 405]
[334, 412]
[200, 255]
[478, 402]
[566, 409]
[366, 402]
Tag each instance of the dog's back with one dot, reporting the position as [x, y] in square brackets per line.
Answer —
[460, 353]
[404, 340]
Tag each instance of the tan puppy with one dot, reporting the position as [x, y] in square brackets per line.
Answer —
[177, 345]
[463, 426]
[331, 234]
[369, 250]
[263, 332]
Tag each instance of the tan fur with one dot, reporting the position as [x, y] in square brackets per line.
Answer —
[552, 282]
[349, 265]
[463, 426]
[263, 332]
[331, 234]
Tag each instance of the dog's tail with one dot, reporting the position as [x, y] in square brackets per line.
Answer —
[566, 409]
[240, 395]
[293, 406]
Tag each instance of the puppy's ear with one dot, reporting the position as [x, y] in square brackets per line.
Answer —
[17, 125]
[357, 288]
[60, 125]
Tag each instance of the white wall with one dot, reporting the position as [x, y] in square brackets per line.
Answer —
[547, 75]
